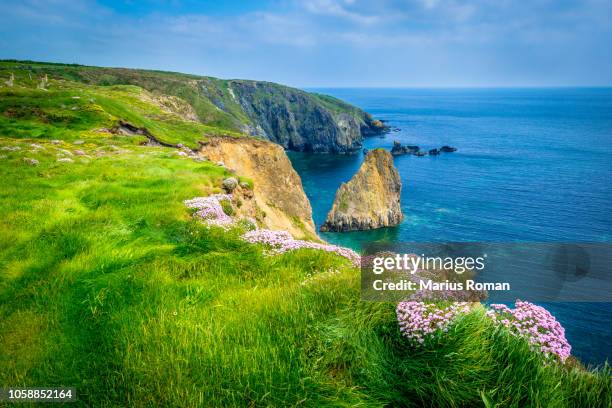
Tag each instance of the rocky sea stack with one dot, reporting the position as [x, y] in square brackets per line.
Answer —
[371, 199]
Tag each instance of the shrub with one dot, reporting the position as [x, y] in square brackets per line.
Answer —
[227, 207]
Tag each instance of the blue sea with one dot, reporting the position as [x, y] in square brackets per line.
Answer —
[533, 165]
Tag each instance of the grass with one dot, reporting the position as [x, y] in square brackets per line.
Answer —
[107, 285]
[71, 111]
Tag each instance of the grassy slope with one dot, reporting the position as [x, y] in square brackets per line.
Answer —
[170, 83]
[107, 285]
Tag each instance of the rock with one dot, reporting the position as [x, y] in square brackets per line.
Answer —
[448, 149]
[420, 154]
[244, 184]
[434, 152]
[66, 152]
[295, 119]
[79, 153]
[398, 149]
[278, 198]
[365, 151]
[55, 142]
[229, 184]
[78, 142]
[65, 160]
[371, 199]
[31, 162]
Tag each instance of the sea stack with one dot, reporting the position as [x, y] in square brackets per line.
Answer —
[371, 199]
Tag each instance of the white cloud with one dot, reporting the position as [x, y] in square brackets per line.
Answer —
[332, 40]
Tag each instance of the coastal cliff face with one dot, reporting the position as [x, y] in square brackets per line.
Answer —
[302, 121]
[371, 199]
[278, 200]
[295, 119]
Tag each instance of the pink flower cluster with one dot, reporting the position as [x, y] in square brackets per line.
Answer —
[535, 324]
[419, 321]
[282, 241]
[210, 211]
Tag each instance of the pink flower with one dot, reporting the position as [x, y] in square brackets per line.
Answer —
[210, 211]
[282, 241]
[536, 325]
[419, 321]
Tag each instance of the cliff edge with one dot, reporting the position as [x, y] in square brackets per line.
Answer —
[278, 199]
[371, 199]
[295, 119]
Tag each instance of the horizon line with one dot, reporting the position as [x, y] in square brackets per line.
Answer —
[306, 87]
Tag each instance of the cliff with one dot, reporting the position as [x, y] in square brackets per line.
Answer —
[371, 199]
[278, 200]
[302, 121]
[295, 119]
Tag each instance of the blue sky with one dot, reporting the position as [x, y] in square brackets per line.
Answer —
[309, 43]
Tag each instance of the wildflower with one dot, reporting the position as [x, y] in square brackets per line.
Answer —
[209, 210]
[419, 321]
[536, 325]
[282, 241]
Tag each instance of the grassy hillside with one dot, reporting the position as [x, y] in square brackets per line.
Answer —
[296, 119]
[108, 285]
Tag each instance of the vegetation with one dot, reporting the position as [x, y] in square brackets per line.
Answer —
[108, 285]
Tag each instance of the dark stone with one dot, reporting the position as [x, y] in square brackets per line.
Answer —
[398, 149]
[448, 149]
[434, 152]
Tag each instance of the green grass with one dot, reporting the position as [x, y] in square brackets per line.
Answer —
[107, 285]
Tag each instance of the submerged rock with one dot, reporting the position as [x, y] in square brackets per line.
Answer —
[371, 199]
[448, 149]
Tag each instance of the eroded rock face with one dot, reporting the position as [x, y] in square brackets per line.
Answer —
[371, 199]
[278, 200]
[303, 121]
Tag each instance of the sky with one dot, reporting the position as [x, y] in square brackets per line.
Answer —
[326, 43]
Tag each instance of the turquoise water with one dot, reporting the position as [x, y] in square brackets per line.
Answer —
[533, 165]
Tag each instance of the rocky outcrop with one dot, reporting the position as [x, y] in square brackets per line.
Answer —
[302, 121]
[398, 149]
[277, 199]
[371, 199]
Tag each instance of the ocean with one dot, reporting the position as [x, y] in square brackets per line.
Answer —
[533, 165]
